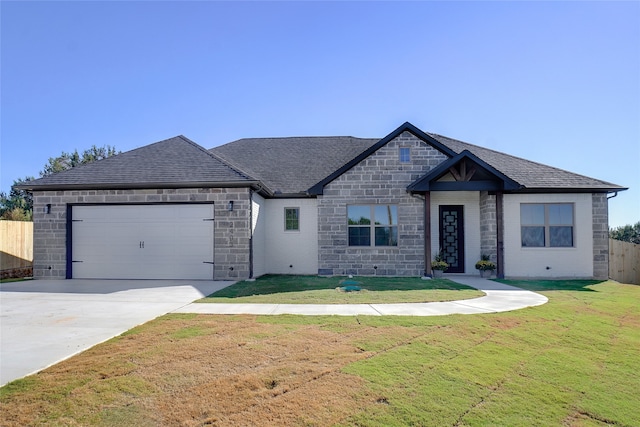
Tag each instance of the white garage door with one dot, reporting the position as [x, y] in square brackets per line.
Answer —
[142, 242]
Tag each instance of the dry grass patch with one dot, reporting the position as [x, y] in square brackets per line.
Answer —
[198, 370]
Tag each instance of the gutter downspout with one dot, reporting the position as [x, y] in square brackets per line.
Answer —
[500, 233]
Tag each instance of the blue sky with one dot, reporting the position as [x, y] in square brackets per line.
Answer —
[553, 82]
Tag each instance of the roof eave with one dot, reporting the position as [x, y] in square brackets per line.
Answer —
[138, 186]
[569, 190]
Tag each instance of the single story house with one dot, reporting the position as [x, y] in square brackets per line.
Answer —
[318, 205]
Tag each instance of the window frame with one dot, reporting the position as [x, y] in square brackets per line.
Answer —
[401, 158]
[373, 227]
[548, 224]
[286, 219]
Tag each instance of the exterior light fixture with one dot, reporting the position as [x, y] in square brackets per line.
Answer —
[47, 208]
[230, 206]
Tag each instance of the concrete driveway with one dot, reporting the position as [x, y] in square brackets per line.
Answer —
[45, 321]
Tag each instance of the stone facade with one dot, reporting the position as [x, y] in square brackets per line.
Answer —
[600, 236]
[379, 179]
[488, 226]
[232, 228]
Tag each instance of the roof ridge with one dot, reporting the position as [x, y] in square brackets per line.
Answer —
[223, 161]
[300, 137]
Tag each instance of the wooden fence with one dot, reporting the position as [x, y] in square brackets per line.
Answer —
[16, 246]
[624, 262]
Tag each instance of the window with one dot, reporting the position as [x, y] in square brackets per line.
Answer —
[546, 225]
[373, 223]
[404, 154]
[291, 219]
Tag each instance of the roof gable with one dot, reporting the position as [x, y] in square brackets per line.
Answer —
[172, 163]
[405, 127]
[470, 173]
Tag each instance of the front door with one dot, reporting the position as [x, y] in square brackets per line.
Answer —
[452, 237]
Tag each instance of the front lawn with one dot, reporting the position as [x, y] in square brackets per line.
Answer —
[571, 362]
[283, 289]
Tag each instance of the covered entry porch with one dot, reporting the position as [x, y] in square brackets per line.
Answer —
[463, 213]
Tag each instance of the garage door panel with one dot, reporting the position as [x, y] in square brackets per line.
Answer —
[143, 241]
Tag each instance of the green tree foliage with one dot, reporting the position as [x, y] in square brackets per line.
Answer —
[18, 204]
[70, 160]
[627, 233]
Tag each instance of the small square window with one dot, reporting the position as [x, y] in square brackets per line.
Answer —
[405, 154]
[292, 219]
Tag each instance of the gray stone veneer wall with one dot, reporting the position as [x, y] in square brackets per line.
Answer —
[600, 210]
[488, 226]
[379, 179]
[232, 229]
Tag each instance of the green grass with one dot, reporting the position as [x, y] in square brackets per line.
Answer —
[19, 279]
[553, 285]
[572, 361]
[283, 289]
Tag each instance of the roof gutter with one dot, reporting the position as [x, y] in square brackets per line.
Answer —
[138, 186]
[566, 190]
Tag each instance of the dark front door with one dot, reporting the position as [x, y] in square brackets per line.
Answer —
[452, 237]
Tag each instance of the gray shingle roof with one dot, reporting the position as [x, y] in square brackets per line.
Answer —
[174, 162]
[292, 165]
[295, 165]
[285, 166]
[531, 175]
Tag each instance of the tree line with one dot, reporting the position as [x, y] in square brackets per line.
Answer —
[17, 205]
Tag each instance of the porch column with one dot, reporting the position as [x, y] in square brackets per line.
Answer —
[500, 234]
[427, 234]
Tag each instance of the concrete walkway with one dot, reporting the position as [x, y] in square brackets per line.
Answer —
[498, 298]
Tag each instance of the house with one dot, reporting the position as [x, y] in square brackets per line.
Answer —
[318, 205]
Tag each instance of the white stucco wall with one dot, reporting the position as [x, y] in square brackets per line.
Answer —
[258, 232]
[575, 262]
[471, 213]
[291, 252]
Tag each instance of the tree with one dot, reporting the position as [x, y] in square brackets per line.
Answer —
[70, 160]
[18, 204]
[627, 233]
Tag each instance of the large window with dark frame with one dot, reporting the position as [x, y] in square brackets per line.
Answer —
[546, 225]
[373, 225]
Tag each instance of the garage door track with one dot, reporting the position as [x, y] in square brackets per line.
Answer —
[45, 321]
